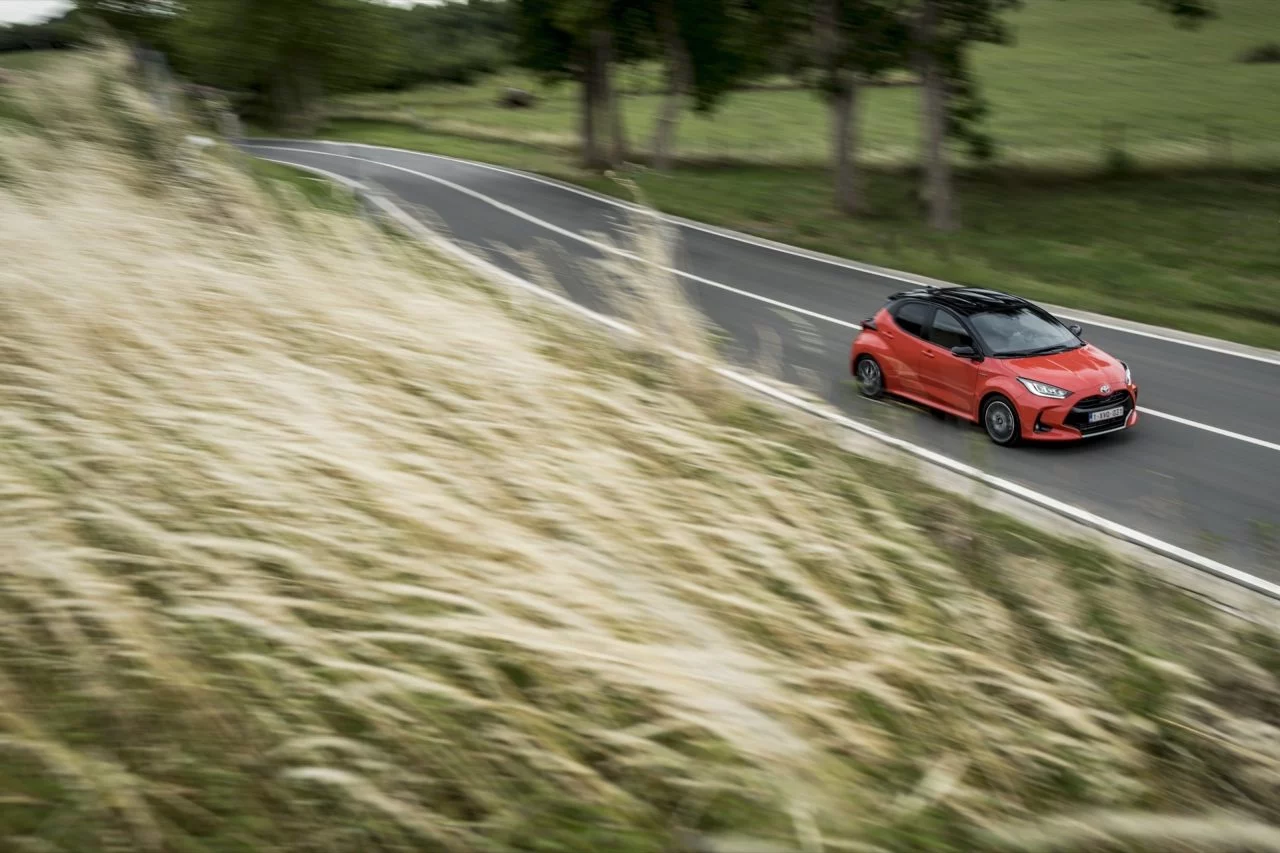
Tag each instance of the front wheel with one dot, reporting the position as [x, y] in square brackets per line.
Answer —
[870, 377]
[1000, 420]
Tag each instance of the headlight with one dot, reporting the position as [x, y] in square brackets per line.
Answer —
[1043, 389]
[1128, 374]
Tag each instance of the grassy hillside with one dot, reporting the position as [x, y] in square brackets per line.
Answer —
[1082, 77]
[312, 542]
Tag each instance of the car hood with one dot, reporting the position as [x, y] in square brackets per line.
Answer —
[1083, 371]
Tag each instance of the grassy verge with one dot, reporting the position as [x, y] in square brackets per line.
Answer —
[319, 192]
[312, 543]
[1192, 250]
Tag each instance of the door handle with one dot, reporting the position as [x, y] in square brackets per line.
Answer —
[928, 353]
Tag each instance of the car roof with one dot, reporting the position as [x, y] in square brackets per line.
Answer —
[964, 300]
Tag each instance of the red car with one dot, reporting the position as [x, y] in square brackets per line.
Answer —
[994, 359]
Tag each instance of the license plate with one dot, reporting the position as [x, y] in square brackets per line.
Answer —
[1106, 414]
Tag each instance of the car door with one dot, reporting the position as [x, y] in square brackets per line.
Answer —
[949, 380]
[912, 319]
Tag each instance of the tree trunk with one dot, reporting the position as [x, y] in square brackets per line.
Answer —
[592, 156]
[664, 135]
[619, 150]
[937, 168]
[590, 142]
[611, 102]
[844, 145]
[841, 87]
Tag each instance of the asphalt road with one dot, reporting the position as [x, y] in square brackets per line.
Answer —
[1202, 473]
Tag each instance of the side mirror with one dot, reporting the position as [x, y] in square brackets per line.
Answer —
[1075, 329]
[966, 352]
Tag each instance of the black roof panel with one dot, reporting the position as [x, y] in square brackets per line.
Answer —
[966, 300]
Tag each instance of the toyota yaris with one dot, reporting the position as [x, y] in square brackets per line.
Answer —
[994, 359]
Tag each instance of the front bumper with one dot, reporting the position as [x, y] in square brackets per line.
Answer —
[1068, 420]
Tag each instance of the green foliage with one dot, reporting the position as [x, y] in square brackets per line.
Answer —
[449, 43]
[1186, 13]
[60, 33]
[288, 52]
[542, 46]
[964, 22]
[151, 22]
[551, 35]
[728, 41]
[1268, 52]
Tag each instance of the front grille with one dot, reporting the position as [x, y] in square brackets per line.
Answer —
[1094, 403]
[1078, 417]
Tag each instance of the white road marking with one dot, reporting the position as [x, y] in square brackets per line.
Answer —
[601, 247]
[761, 242]
[1062, 508]
[1269, 445]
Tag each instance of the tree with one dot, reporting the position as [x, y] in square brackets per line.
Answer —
[951, 104]
[943, 29]
[452, 42]
[856, 41]
[679, 78]
[289, 53]
[709, 46]
[150, 22]
[705, 49]
[60, 33]
[582, 40]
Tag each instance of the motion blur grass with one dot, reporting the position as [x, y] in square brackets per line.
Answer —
[313, 542]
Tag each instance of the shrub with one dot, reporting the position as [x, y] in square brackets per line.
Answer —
[1267, 52]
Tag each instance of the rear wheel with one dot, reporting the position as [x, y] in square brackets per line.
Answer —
[1000, 420]
[870, 377]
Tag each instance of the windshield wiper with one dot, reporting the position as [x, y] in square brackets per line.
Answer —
[1050, 350]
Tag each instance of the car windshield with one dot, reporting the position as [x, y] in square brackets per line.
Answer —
[1022, 331]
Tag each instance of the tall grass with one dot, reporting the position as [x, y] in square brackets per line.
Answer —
[311, 542]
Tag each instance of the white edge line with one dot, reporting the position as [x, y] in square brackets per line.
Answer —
[1269, 445]
[1081, 516]
[601, 247]
[1115, 324]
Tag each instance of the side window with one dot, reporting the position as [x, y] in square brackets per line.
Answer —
[912, 317]
[948, 331]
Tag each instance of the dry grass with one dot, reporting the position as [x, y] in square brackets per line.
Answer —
[313, 543]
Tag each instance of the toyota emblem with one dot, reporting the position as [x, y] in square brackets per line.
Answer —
[1105, 389]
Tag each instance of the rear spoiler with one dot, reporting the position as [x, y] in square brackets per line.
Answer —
[917, 291]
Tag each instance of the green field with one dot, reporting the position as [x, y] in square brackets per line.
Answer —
[1083, 76]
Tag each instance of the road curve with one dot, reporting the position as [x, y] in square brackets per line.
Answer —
[1201, 471]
